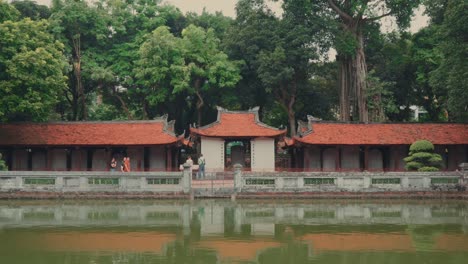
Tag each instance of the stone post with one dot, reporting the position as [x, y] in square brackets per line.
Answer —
[367, 181]
[404, 182]
[237, 177]
[19, 182]
[187, 178]
[59, 183]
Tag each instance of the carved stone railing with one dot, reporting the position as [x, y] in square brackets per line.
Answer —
[68, 181]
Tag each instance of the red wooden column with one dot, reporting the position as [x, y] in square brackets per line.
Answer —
[397, 158]
[321, 158]
[109, 158]
[366, 158]
[338, 158]
[48, 159]
[80, 158]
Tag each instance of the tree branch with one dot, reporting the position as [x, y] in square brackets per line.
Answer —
[379, 17]
[362, 9]
[340, 12]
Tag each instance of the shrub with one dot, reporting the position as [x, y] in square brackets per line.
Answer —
[422, 146]
[428, 169]
[3, 166]
[422, 157]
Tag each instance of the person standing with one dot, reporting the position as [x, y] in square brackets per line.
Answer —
[127, 164]
[190, 162]
[113, 164]
[201, 167]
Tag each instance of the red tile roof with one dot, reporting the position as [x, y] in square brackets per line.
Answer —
[384, 134]
[237, 124]
[154, 132]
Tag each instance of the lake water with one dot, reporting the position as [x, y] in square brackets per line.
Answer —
[221, 231]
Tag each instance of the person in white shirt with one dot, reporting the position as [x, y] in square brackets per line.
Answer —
[201, 167]
[190, 162]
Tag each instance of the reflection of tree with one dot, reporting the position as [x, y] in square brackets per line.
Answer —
[292, 251]
[424, 236]
[195, 227]
[229, 222]
[184, 252]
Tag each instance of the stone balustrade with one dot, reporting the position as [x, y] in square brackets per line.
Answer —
[244, 182]
[87, 181]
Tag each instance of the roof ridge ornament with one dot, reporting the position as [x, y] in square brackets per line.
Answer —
[311, 118]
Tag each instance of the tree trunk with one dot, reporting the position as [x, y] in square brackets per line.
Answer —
[346, 98]
[361, 80]
[200, 101]
[353, 80]
[77, 73]
[287, 99]
[124, 105]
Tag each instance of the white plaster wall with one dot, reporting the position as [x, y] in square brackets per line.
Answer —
[78, 164]
[329, 156]
[59, 159]
[375, 159]
[39, 160]
[100, 160]
[20, 159]
[136, 158]
[213, 151]
[157, 158]
[312, 158]
[350, 157]
[263, 154]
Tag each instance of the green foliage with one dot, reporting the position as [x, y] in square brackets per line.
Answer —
[427, 169]
[31, 9]
[451, 74]
[422, 158]
[33, 73]
[3, 166]
[422, 146]
[8, 12]
[192, 65]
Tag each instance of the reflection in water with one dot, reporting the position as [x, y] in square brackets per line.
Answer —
[233, 232]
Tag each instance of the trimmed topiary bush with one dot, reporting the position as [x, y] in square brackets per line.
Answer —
[3, 166]
[422, 157]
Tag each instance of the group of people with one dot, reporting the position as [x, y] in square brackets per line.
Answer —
[201, 166]
[124, 165]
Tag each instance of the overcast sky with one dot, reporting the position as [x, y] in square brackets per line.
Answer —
[228, 9]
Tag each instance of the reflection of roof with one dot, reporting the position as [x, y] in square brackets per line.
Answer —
[237, 249]
[451, 242]
[382, 134]
[359, 242]
[155, 132]
[237, 124]
[128, 242]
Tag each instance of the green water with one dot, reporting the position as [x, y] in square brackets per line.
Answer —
[221, 231]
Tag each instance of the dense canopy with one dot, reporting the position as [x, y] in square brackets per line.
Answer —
[140, 59]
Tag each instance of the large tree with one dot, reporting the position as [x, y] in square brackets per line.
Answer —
[31, 9]
[82, 28]
[31, 71]
[451, 20]
[193, 65]
[351, 17]
[8, 12]
[278, 52]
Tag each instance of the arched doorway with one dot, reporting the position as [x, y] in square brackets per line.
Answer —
[238, 152]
